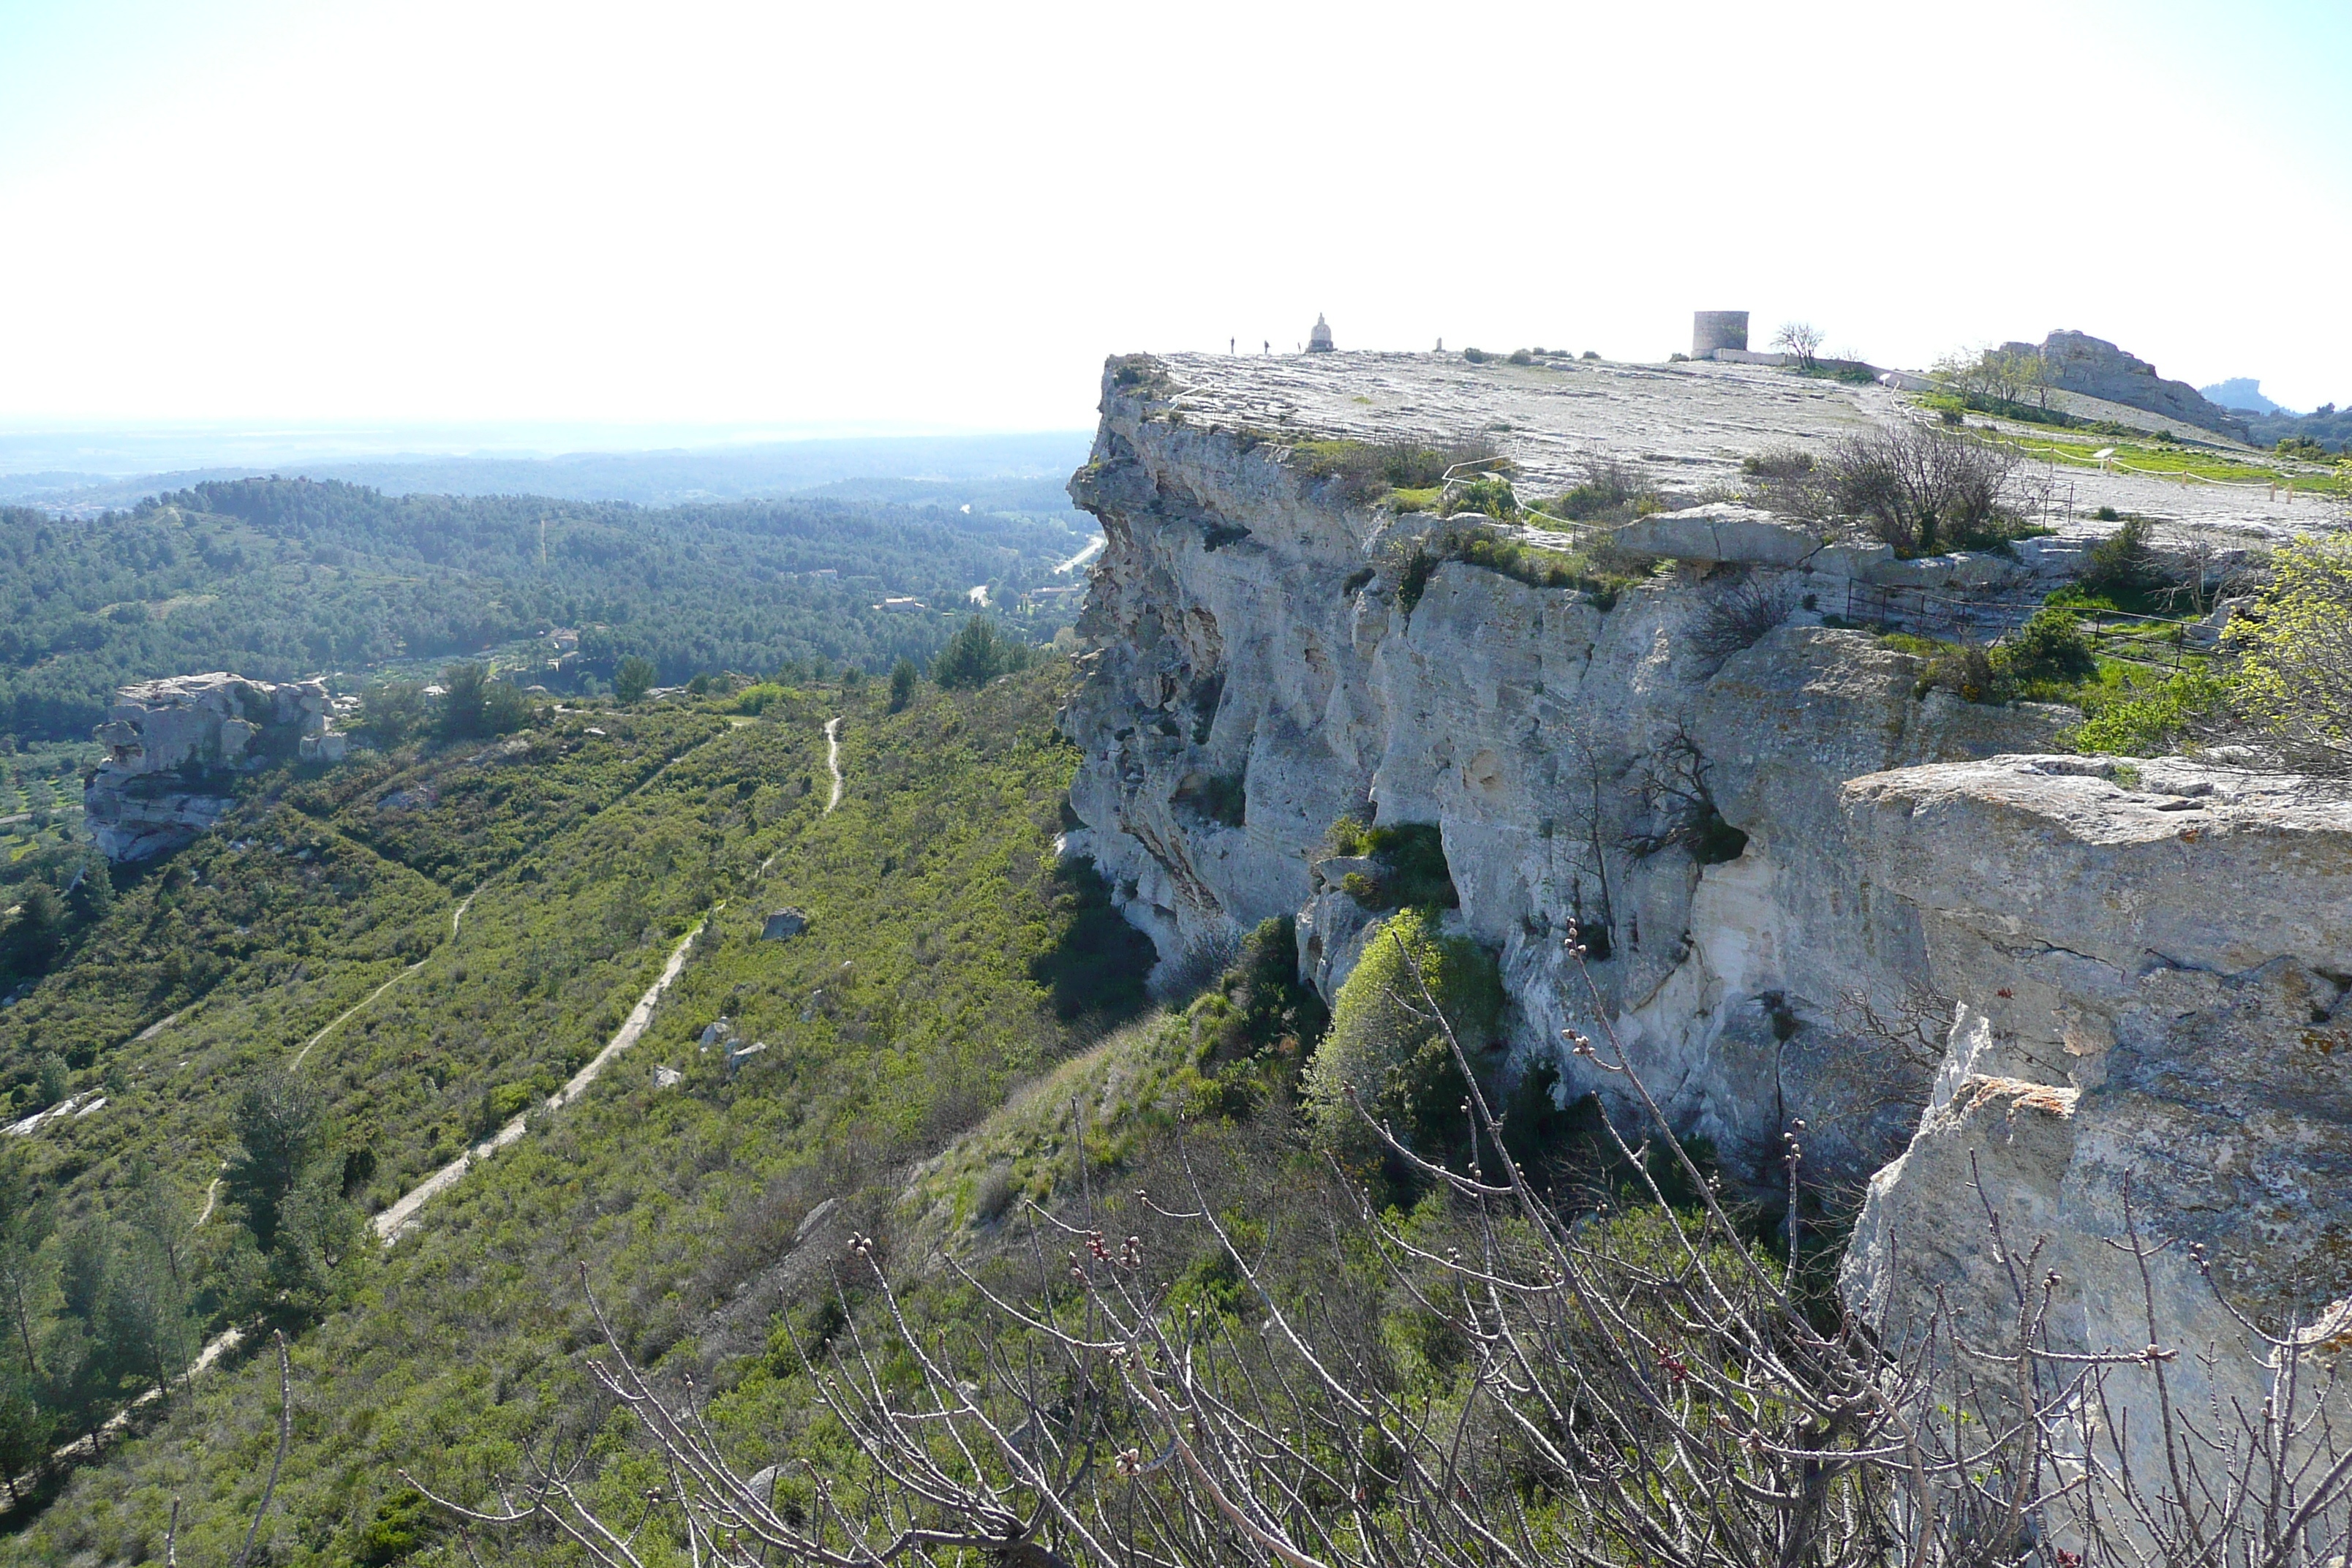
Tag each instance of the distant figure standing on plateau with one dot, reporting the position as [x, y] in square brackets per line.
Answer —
[1319, 342]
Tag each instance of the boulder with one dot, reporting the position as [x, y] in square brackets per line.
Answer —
[783, 925]
[1715, 533]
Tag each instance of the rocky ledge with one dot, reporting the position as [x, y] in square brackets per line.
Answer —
[172, 745]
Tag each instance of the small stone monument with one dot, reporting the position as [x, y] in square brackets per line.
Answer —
[1319, 342]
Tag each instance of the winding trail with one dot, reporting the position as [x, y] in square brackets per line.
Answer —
[455, 916]
[833, 758]
[390, 1224]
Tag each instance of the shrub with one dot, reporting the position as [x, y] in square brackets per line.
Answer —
[1412, 866]
[993, 1194]
[1489, 497]
[1383, 1050]
[1920, 491]
[1738, 620]
[1138, 373]
[902, 684]
[2295, 655]
[2124, 563]
[1612, 492]
[1367, 471]
[1223, 799]
[391, 712]
[1779, 463]
[2050, 646]
[2155, 723]
[1413, 581]
[1967, 671]
[759, 696]
[1475, 356]
[475, 706]
[1521, 356]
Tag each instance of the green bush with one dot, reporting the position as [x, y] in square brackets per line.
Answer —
[1412, 869]
[2050, 646]
[474, 706]
[2154, 723]
[1223, 799]
[1382, 1048]
[1367, 470]
[2124, 565]
[1490, 497]
[759, 696]
[1612, 492]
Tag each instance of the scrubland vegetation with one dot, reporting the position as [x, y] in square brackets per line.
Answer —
[948, 958]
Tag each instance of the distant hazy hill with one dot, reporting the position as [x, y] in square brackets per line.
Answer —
[2244, 393]
[1016, 473]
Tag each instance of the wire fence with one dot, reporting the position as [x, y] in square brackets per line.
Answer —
[2159, 642]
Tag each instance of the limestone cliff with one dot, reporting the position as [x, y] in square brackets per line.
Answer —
[1252, 637]
[1906, 923]
[173, 746]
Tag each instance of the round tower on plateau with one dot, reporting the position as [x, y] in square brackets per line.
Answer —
[1713, 329]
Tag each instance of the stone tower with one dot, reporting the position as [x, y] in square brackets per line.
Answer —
[1713, 329]
[1319, 342]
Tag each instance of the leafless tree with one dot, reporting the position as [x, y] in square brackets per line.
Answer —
[1735, 621]
[1801, 339]
[1678, 800]
[1920, 490]
[1640, 1384]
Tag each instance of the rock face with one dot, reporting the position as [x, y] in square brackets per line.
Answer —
[1810, 891]
[2077, 361]
[1255, 643]
[2151, 967]
[170, 745]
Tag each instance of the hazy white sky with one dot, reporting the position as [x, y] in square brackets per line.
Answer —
[946, 215]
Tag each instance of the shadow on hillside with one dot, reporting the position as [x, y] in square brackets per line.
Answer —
[1096, 967]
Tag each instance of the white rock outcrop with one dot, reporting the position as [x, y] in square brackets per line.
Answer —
[1982, 973]
[171, 743]
[1254, 640]
[2150, 964]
